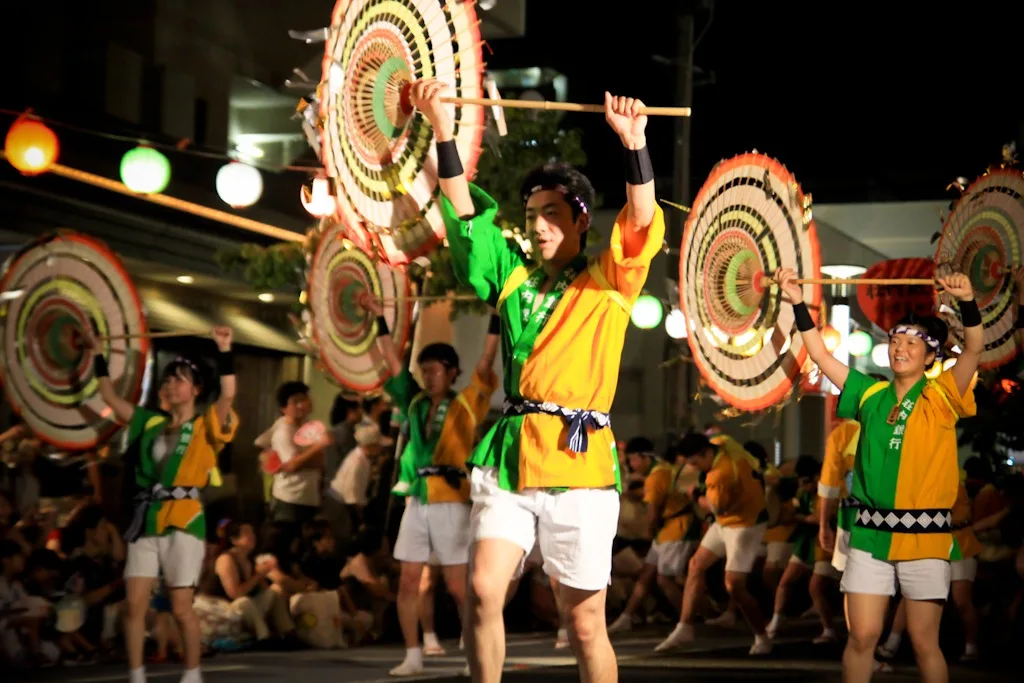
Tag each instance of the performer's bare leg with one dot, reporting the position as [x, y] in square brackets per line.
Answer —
[865, 617]
[923, 618]
[409, 584]
[493, 563]
[188, 627]
[138, 594]
[583, 614]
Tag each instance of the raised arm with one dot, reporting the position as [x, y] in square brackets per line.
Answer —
[226, 369]
[122, 409]
[959, 286]
[425, 95]
[835, 370]
[384, 341]
[622, 114]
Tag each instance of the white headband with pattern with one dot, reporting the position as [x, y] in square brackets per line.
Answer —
[932, 342]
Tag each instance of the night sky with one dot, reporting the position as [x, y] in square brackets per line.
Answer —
[861, 102]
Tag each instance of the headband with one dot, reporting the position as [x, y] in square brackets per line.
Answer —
[570, 197]
[932, 343]
[196, 375]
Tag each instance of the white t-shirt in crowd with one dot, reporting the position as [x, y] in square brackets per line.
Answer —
[352, 482]
[298, 488]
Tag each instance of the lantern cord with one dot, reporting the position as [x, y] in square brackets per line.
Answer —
[174, 203]
[182, 146]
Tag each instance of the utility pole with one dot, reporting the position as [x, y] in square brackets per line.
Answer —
[681, 386]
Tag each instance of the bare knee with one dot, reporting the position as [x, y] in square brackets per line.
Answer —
[735, 584]
[136, 610]
[695, 569]
[666, 583]
[487, 594]
[864, 637]
[411, 579]
[586, 623]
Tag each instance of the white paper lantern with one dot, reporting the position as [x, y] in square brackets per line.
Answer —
[239, 185]
[675, 324]
[880, 355]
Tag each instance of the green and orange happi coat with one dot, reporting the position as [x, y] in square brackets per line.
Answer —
[906, 474]
[564, 353]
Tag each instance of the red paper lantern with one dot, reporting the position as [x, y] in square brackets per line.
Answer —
[31, 146]
[832, 338]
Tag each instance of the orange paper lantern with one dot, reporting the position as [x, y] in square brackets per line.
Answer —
[832, 338]
[31, 146]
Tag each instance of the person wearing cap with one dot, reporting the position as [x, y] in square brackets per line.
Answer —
[732, 491]
[441, 428]
[352, 481]
[548, 469]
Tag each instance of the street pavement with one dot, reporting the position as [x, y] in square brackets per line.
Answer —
[716, 656]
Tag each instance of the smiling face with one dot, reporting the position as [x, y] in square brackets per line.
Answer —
[551, 228]
[909, 355]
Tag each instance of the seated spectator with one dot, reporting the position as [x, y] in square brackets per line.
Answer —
[20, 622]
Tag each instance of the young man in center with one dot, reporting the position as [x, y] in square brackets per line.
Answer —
[548, 469]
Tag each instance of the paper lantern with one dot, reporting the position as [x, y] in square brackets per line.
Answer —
[675, 324]
[318, 200]
[832, 338]
[145, 170]
[31, 146]
[880, 355]
[647, 312]
[859, 343]
[239, 185]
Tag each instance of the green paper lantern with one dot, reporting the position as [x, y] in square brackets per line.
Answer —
[859, 343]
[647, 312]
[145, 170]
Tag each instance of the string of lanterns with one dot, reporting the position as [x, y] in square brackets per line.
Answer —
[32, 147]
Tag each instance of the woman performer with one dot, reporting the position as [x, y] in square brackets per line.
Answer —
[172, 456]
[906, 475]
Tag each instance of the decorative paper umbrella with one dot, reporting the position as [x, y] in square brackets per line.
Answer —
[983, 238]
[384, 161]
[69, 283]
[748, 219]
[344, 332]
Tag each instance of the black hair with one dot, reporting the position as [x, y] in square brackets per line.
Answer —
[9, 548]
[289, 389]
[934, 327]
[444, 354]
[321, 528]
[185, 368]
[807, 466]
[758, 451]
[580, 195]
[694, 444]
[369, 403]
[341, 408]
[976, 468]
[368, 542]
[640, 445]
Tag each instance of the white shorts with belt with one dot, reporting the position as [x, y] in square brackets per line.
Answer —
[739, 545]
[438, 529]
[574, 529]
[177, 555]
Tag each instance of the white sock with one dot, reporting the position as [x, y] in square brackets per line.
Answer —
[414, 655]
[137, 675]
[563, 634]
[776, 620]
[192, 676]
[892, 644]
[430, 639]
[970, 649]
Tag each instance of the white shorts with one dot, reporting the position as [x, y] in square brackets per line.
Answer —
[918, 579]
[842, 550]
[964, 570]
[737, 544]
[574, 529]
[178, 555]
[821, 567]
[441, 528]
[671, 557]
[779, 553]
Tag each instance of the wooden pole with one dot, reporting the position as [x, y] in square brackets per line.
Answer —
[559, 106]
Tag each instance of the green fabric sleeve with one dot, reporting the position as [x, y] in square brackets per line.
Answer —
[137, 425]
[481, 256]
[848, 407]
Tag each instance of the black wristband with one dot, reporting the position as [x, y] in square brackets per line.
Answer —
[495, 325]
[449, 165]
[804, 322]
[1020, 316]
[225, 363]
[970, 316]
[99, 366]
[639, 170]
[382, 326]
